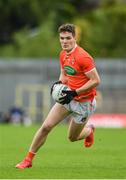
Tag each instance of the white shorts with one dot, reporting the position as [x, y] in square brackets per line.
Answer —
[81, 111]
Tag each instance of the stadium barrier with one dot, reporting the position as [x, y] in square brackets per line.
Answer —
[109, 120]
[27, 83]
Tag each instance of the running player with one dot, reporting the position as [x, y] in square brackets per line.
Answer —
[78, 71]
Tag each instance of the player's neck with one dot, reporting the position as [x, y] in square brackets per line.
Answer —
[72, 49]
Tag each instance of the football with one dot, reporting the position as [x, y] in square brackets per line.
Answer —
[57, 91]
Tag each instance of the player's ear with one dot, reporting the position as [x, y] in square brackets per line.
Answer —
[75, 37]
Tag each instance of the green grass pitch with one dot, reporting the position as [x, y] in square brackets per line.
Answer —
[61, 159]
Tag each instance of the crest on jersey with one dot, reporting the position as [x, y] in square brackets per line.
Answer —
[69, 70]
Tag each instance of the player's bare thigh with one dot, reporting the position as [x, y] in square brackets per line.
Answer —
[75, 129]
[56, 115]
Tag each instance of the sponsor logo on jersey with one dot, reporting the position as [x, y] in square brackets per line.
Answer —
[69, 70]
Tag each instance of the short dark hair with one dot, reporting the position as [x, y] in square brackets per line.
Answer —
[67, 28]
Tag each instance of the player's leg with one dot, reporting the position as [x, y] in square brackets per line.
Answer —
[56, 115]
[81, 131]
[77, 131]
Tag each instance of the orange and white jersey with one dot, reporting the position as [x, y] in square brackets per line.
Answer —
[75, 65]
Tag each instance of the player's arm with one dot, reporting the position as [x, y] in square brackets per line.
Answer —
[63, 77]
[94, 80]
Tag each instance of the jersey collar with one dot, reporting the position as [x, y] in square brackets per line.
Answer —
[72, 50]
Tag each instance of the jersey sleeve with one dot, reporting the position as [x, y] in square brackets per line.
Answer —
[87, 64]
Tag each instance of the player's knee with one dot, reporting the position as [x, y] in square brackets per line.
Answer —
[46, 128]
[72, 138]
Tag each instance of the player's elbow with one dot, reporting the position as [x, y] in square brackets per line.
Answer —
[97, 81]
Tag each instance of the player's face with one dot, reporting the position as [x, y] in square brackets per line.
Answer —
[67, 41]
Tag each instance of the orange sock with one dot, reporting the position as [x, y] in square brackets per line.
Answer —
[30, 155]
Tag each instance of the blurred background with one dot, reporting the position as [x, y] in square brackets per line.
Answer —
[29, 52]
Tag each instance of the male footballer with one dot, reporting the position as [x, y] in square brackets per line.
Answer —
[79, 73]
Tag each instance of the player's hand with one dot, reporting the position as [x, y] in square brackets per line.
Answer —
[57, 82]
[68, 97]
